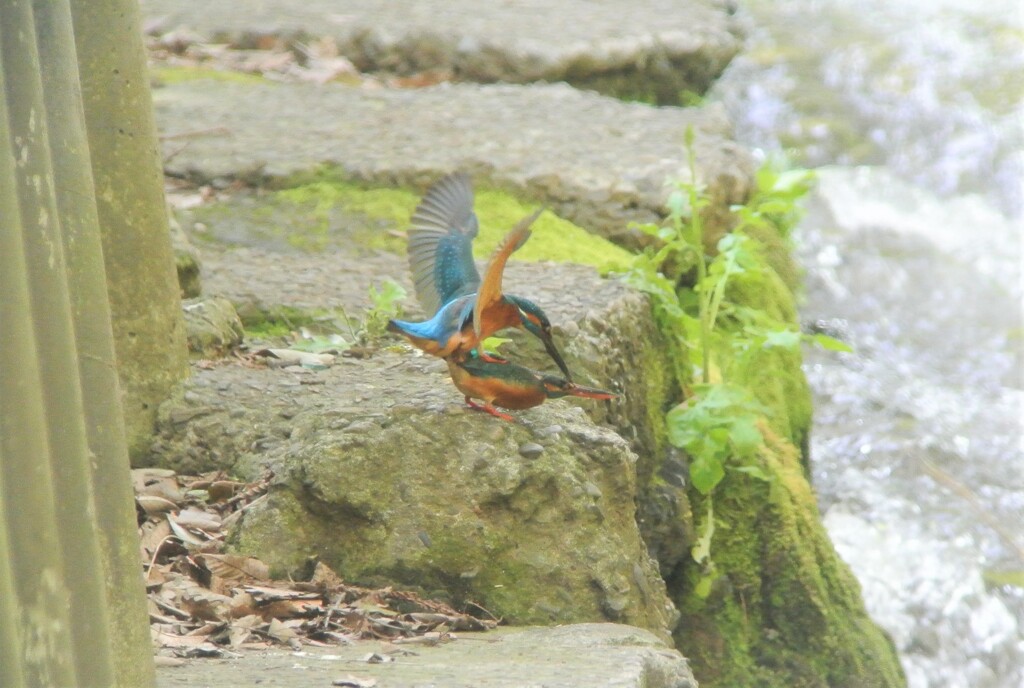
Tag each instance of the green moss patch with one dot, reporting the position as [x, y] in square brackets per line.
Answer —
[280, 321]
[764, 599]
[784, 609]
[177, 75]
[324, 191]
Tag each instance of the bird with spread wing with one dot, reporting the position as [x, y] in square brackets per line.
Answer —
[464, 309]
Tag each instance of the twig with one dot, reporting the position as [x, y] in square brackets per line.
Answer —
[196, 133]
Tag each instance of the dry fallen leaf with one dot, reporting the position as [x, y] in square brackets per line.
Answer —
[198, 519]
[280, 631]
[156, 482]
[152, 504]
[377, 658]
[235, 568]
[183, 534]
[203, 604]
[152, 536]
[202, 600]
[287, 357]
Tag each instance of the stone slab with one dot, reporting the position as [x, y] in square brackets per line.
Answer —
[597, 161]
[669, 44]
[583, 655]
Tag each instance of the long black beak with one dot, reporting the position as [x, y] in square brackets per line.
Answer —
[588, 392]
[549, 345]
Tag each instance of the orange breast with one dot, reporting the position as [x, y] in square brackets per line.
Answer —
[498, 317]
[494, 390]
[518, 397]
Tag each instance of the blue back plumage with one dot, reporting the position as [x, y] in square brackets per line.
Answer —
[441, 243]
[452, 317]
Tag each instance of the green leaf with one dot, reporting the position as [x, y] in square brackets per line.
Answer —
[386, 300]
[666, 233]
[648, 228]
[318, 344]
[494, 343]
[830, 343]
[706, 472]
[728, 242]
[753, 471]
[775, 205]
[783, 339]
[793, 179]
[703, 587]
[677, 204]
[1010, 577]
[744, 436]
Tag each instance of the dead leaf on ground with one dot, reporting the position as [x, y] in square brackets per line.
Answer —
[198, 519]
[152, 504]
[235, 568]
[157, 482]
[183, 534]
[288, 357]
[203, 600]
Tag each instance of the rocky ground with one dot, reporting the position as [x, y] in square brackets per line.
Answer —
[379, 469]
[653, 50]
[580, 655]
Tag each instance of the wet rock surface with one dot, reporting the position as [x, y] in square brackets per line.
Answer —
[584, 655]
[654, 49]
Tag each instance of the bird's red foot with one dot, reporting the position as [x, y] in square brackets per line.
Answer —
[487, 408]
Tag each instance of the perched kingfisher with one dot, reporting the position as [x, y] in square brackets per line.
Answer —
[498, 382]
[464, 309]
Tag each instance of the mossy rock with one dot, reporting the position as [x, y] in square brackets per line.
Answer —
[784, 609]
[382, 473]
[212, 327]
[550, 539]
[347, 495]
[186, 261]
[323, 210]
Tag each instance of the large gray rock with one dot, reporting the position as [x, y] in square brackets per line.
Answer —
[603, 328]
[653, 50]
[385, 476]
[596, 161]
[576, 656]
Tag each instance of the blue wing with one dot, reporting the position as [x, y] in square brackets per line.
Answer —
[441, 243]
[450, 319]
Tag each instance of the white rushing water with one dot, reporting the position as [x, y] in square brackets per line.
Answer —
[912, 245]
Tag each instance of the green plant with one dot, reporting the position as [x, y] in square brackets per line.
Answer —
[386, 305]
[365, 333]
[776, 199]
[717, 425]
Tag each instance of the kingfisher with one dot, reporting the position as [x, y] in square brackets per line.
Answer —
[498, 382]
[464, 309]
